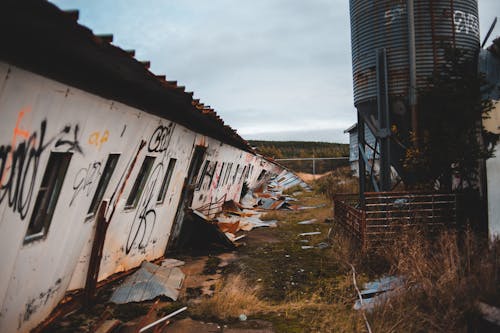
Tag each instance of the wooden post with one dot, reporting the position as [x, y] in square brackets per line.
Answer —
[96, 255]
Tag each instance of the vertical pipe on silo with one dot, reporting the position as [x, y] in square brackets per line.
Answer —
[412, 94]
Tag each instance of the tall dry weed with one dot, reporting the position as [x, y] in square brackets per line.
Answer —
[232, 297]
[444, 278]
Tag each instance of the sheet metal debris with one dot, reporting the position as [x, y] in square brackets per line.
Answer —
[149, 282]
[312, 221]
[378, 291]
[310, 233]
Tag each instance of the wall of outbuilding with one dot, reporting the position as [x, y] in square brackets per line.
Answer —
[40, 116]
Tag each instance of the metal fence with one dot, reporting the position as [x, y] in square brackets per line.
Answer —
[388, 214]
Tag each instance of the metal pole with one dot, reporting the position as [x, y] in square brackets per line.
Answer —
[412, 94]
[361, 161]
[383, 121]
[314, 168]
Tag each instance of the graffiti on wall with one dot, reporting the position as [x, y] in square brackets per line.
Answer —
[35, 303]
[145, 215]
[20, 159]
[159, 141]
[85, 178]
[98, 139]
[465, 22]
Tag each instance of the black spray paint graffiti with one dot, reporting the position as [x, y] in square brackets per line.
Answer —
[145, 216]
[19, 165]
[160, 139]
[35, 303]
[84, 179]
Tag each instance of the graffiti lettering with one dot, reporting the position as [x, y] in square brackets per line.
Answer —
[160, 139]
[465, 22]
[84, 179]
[72, 145]
[145, 216]
[19, 165]
[97, 139]
[393, 14]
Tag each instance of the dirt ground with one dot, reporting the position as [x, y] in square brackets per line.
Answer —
[281, 264]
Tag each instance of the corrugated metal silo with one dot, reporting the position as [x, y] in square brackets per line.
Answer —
[404, 40]
[384, 24]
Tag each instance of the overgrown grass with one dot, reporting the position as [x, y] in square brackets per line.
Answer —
[338, 181]
[311, 290]
[232, 297]
[444, 279]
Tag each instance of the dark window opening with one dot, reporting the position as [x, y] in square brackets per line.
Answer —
[166, 181]
[212, 173]
[47, 196]
[202, 175]
[262, 174]
[219, 179]
[228, 173]
[140, 182]
[109, 168]
[236, 173]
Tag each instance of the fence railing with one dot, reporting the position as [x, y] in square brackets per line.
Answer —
[388, 214]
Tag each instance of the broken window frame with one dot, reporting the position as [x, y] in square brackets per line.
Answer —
[140, 182]
[162, 194]
[48, 196]
[109, 169]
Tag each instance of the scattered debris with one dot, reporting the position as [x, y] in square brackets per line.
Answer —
[108, 326]
[305, 247]
[323, 245]
[145, 328]
[310, 233]
[489, 313]
[378, 291]
[149, 282]
[312, 221]
[170, 262]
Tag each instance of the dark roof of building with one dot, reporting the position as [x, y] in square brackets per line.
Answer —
[38, 36]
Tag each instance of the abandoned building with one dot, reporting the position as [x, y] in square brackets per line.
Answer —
[89, 133]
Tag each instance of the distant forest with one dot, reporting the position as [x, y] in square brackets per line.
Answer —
[301, 149]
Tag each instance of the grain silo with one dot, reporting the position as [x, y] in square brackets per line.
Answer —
[396, 46]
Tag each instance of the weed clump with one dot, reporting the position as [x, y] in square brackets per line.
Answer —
[232, 298]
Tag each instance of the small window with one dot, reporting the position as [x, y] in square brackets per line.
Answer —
[212, 173]
[140, 182]
[228, 173]
[109, 168]
[262, 174]
[236, 173]
[47, 196]
[166, 181]
[202, 175]
[219, 180]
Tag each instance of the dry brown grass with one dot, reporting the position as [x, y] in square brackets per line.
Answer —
[444, 279]
[338, 181]
[232, 297]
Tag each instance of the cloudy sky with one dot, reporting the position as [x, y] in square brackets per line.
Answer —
[273, 69]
